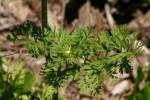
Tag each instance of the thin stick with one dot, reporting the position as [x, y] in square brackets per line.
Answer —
[6, 55]
[110, 18]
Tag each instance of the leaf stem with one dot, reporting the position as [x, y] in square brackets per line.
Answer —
[44, 14]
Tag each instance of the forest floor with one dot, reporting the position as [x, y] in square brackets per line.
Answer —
[70, 15]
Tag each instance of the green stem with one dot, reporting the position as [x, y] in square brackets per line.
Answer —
[44, 14]
[55, 95]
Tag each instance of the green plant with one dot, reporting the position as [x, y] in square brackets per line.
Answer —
[16, 83]
[76, 56]
[145, 3]
[79, 56]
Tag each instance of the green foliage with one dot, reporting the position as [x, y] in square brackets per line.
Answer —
[16, 83]
[77, 56]
[119, 40]
[141, 94]
[80, 55]
[146, 3]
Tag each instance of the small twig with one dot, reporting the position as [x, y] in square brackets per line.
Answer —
[9, 54]
[110, 19]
